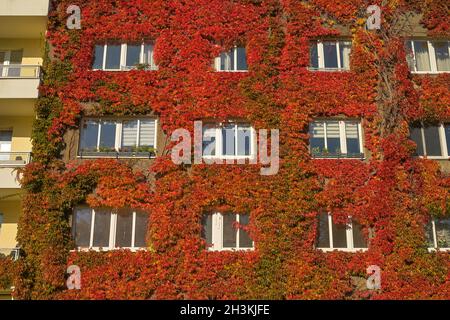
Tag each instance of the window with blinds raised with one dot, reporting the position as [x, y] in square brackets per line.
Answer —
[336, 139]
[131, 137]
[124, 57]
[330, 55]
[425, 56]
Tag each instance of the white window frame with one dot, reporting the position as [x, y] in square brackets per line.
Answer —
[6, 63]
[217, 234]
[435, 240]
[217, 63]
[112, 233]
[342, 137]
[118, 135]
[123, 57]
[219, 141]
[431, 56]
[349, 237]
[321, 56]
[442, 142]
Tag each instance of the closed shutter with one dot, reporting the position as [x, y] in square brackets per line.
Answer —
[147, 133]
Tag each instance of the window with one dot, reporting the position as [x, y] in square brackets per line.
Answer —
[102, 137]
[438, 234]
[10, 63]
[425, 56]
[330, 55]
[336, 139]
[221, 231]
[116, 57]
[431, 140]
[5, 144]
[232, 61]
[331, 236]
[109, 229]
[229, 140]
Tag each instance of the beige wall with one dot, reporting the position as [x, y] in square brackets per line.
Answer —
[11, 211]
[21, 126]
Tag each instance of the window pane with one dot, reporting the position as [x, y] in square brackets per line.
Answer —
[229, 230]
[358, 238]
[313, 56]
[333, 137]
[209, 140]
[244, 237]
[443, 233]
[339, 235]
[98, 59]
[447, 137]
[225, 61]
[148, 55]
[207, 229]
[113, 57]
[330, 54]
[317, 137]
[89, 135]
[15, 59]
[82, 225]
[244, 137]
[228, 140]
[416, 136]
[140, 232]
[344, 51]
[429, 235]
[147, 133]
[124, 228]
[410, 55]
[323, 234]
[108, 134]
[241, 59]
[432, 143]
[102, 225]
[422, 56]
[442, 56]
[133, 55]
[353, 146]
[129, 133]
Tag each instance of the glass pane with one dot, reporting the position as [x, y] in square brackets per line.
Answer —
[133, 55]
[410, 55]
[102, 226]
[313, 56]
[229, 230]
[228, 140]
[147, 133]
[317, 137]
[148, 55]
[447, 137]
[323, 233]
[422, 56]
[209, 140]
[98, 57]
[140, 232]
[129, 133]
[224, 61]
[416, 136]
[108, 135]
[244, 237]
[207, 228]
[344, 51]
[124, 228]
[15, 61]
[2, 61]
[333, 137]
[358, 238]
[243, 140]
[442, 56]
[432, 143]
[443, 233]
[113, 57]
[5, 135]
[89, 136]
[241, 59]
[352, 133]
[429, 235]
[82, 225]
[330, 54]
[339, 235]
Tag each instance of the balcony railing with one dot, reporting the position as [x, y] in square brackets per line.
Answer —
[20, 71]
[12, 253]
[14, 159]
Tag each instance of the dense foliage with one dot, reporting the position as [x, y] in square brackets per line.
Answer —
[391, 192]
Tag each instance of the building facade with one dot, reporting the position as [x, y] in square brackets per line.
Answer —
[358, 113]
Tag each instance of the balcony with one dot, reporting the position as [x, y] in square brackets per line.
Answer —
[25, 19]
[12, 253]
[19, 81]
[9, 163]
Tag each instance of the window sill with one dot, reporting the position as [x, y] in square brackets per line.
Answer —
[327, 70]
[353, 250]
[115, 155]
[429, 72]
[438, 249]
[100, 249]
[231, 71]
[433, 157]
[124, 70]
[231, 249]
[321, 157]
